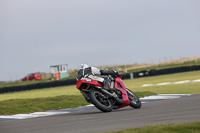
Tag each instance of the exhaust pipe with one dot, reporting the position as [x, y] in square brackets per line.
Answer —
[113, 95]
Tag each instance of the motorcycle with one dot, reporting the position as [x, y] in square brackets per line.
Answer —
[104, 100]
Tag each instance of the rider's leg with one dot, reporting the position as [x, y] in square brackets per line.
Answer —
[106, 85]
[105, 81]
[100, 79]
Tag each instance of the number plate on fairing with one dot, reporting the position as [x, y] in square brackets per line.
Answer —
[87, 79]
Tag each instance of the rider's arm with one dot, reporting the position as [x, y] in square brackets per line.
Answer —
[95, 71]
[108, 72]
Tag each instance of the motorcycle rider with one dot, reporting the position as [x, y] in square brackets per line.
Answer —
[86, 71]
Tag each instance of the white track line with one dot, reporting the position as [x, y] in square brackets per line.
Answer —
[168, 83]
[88, 107]
[31, 115]
[164, 96]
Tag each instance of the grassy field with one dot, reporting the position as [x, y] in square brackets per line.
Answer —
[19, 106]
[41, 93]
[165, 78]
[170, 128]
[189, 88]
[132, 84]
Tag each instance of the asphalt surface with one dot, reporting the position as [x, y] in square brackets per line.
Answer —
[181, 110]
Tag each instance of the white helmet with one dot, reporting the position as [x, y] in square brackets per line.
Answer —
[83, 66]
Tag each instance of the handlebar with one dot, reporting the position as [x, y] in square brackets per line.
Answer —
[112, 77]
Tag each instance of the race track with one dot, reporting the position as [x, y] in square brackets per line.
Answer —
[180, 110]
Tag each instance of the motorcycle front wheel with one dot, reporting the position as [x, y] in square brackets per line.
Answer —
[134, 100]
[100, 100]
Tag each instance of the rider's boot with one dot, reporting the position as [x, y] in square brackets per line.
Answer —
[106, 86]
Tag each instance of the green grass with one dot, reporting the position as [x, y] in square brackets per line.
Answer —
[132, 84]
[189, 88]
[40, 104]
[18, 106]
[164, 78]
[170, 128]
[41, 93]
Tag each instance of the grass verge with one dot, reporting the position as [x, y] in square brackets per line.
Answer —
[19, 106]
[41, 93]
[188, 88]
[163, 78]
[170, 128]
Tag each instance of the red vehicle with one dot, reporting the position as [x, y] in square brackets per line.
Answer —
[104, 100]
[32, 76]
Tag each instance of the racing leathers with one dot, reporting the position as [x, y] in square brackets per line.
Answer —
[90, 72]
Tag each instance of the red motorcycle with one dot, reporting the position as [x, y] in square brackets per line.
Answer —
[104, 100]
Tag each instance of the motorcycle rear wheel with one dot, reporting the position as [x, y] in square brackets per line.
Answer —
[100, 101]
[134, 100]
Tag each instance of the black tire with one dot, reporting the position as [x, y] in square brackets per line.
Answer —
[100, 101]
[134, 100]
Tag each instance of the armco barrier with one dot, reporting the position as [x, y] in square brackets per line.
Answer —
[154, 72]
[38, 86]
[124, 76]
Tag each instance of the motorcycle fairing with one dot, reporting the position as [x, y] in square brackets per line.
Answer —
[86, 80]
[120, 86]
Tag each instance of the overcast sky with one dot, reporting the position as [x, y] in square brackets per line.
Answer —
[35, 34]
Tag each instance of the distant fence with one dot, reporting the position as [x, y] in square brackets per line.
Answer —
[154, 72]
[38, 86]
[124, 76]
